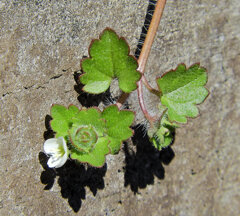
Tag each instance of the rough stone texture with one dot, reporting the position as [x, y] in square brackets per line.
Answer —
[41, 44]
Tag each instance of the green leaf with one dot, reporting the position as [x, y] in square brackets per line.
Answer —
[91, 116]
[90, 134]
[87, 139]
[62, 119]
[83, 138]
[109, 59]
[162, 135]
[84, 132]
[181, 90]
[96, 157]
[88, 127]
[117, 126]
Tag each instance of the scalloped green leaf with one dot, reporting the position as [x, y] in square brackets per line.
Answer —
[62, 119]
[90, 134]
[88, 142]
[181, 90]
[109, 59]
[91, 116]
[84, 132]
[96, 157]
[117, 126]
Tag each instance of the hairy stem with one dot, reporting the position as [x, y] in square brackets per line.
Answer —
[142, 61]
[150, 118]
[149, 87]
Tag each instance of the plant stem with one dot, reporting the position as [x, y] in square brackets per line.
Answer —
[150, 118]
[149, 87]
[150, 35]
[142, 61]
[122, 99]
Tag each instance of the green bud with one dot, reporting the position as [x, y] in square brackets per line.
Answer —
[83, 138]
[161, 134]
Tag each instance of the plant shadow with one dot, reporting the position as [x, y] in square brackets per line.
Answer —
[147, 162]
[90, 100]
[73, 177]
[141, 166]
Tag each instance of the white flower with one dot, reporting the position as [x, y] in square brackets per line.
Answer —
[58, 151]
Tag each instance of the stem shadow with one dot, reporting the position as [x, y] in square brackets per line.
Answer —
[147, 162]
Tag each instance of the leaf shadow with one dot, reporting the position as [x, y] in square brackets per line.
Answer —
[146, 162]
[73, 178]
[89, 100]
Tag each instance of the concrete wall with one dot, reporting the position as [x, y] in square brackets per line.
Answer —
[41, 44]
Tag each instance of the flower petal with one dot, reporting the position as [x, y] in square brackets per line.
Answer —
[56, 162]
[58, 151]
[62, 160]
[51, 145]
[61, 141]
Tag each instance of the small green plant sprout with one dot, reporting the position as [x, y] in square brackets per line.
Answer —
[88, 135]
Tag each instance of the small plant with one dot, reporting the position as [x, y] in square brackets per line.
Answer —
[88, 135]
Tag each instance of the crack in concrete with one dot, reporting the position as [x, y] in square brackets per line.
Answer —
[7, 93]
[56, 77]
[41, 86]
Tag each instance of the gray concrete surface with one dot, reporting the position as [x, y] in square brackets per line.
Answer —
[41, 44]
